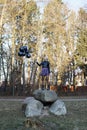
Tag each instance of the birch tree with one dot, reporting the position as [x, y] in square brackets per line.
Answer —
[55, 16]
[20, 20]
[81, 51]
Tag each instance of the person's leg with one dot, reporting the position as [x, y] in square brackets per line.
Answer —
[47, 82]
[40, 82]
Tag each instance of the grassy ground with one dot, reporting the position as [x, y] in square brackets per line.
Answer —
[12, 117]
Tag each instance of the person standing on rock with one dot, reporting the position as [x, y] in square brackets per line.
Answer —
[44, 75]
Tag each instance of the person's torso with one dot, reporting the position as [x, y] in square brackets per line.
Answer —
[45, 64]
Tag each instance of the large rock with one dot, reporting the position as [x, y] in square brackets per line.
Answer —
[45, 95]
[33, 108]
[25, 102]
[58, 108]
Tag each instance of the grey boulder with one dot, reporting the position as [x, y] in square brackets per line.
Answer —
[45, 95]
[58, 108]
[33, 108]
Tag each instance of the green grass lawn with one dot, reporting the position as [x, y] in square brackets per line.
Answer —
[12, 117]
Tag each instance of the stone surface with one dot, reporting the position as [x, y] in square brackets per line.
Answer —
[33, 108]
[45, 95]
[43, 102]
[58, 108]
[25, 102]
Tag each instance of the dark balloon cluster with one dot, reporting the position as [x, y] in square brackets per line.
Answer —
[23, 51]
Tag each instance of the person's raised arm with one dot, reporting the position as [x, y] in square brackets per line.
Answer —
[39, 64]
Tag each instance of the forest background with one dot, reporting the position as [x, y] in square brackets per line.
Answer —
[60, 34]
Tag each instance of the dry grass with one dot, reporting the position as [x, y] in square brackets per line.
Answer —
[12, 118]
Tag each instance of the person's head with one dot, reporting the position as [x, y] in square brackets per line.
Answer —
[46, 58]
